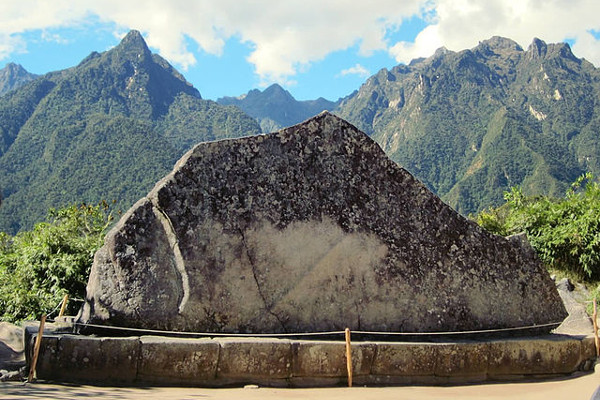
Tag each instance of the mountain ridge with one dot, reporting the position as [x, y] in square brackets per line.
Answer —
[471, 124]
[275, 108]
[107, 128]
[13, 76]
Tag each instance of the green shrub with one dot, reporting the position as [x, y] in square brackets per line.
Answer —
[38, 267]
[564, 232]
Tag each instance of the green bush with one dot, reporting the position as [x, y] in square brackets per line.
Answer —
[564, 232]
[38, 267]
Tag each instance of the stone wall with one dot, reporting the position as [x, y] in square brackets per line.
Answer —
[302, 363]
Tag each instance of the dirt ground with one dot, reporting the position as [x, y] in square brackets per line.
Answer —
[575, 387]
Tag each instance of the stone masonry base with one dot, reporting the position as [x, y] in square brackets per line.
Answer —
[217, 362]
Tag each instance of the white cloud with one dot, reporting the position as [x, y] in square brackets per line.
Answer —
[460, 24]
[589, 46]
[54, 37]
[285, 35]
[425, 44]
[9, 45]
[356, 70]
[289, 35]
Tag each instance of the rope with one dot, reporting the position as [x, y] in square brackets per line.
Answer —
[55, 309]
[163, 332]
[327, 333]
[59, 305]
[519, 328]
[76, 299]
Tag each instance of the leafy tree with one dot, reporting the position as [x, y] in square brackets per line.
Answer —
[564, 232]
[38, 267]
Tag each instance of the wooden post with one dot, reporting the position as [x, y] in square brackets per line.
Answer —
[349, 357]
[36, 349]
[595, 321]
[64, 306]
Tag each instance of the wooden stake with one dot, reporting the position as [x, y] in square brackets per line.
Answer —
[595, 321]
[64, 306]
[349, 357]
[36, 349]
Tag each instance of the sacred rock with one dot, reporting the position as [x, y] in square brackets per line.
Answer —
[309, 229]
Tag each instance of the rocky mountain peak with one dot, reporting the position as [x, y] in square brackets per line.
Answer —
[500, 43]
[562, 50]
[495, 88]
[537, 49]
[275, 107]
[105, 128]
[134, 40]
[278, 91]
[442, 51]
[12, 76]
[15, 69]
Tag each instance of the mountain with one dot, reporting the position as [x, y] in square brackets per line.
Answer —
[107, 128]
[275, 108]
[12, 76]
[473, 123]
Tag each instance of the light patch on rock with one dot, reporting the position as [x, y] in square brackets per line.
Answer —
[557, 95]
[540, 116]
[394, 103]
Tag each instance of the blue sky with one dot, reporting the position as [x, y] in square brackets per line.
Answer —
[314, 48]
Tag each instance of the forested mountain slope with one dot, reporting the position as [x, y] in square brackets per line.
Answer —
[108, 128]
[473, 123]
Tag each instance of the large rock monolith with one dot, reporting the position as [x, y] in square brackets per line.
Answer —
[311, 228]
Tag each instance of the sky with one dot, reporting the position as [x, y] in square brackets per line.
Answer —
[313, 48]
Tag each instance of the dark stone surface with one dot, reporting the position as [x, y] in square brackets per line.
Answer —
[254, 360]
[89, 359]
[328, 358]
[311, 228]
[177, 360]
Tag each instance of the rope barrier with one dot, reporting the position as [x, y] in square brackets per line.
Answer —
[55, 309]
[326, 333]
[519, 328]
[163, 332]
[61, 303]
[297, 334]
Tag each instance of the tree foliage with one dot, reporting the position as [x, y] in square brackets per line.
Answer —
[564, 232]
[38, 267]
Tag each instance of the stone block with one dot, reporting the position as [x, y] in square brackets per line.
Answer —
[47, 359]
[177, 360]
[467, 359]
[97, 359]
[405, 359]
[309, 229]
[328, 359]
[254, 360]
[534, 356]
[588, 348]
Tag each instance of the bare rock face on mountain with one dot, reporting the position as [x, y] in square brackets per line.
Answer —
[311, 228]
